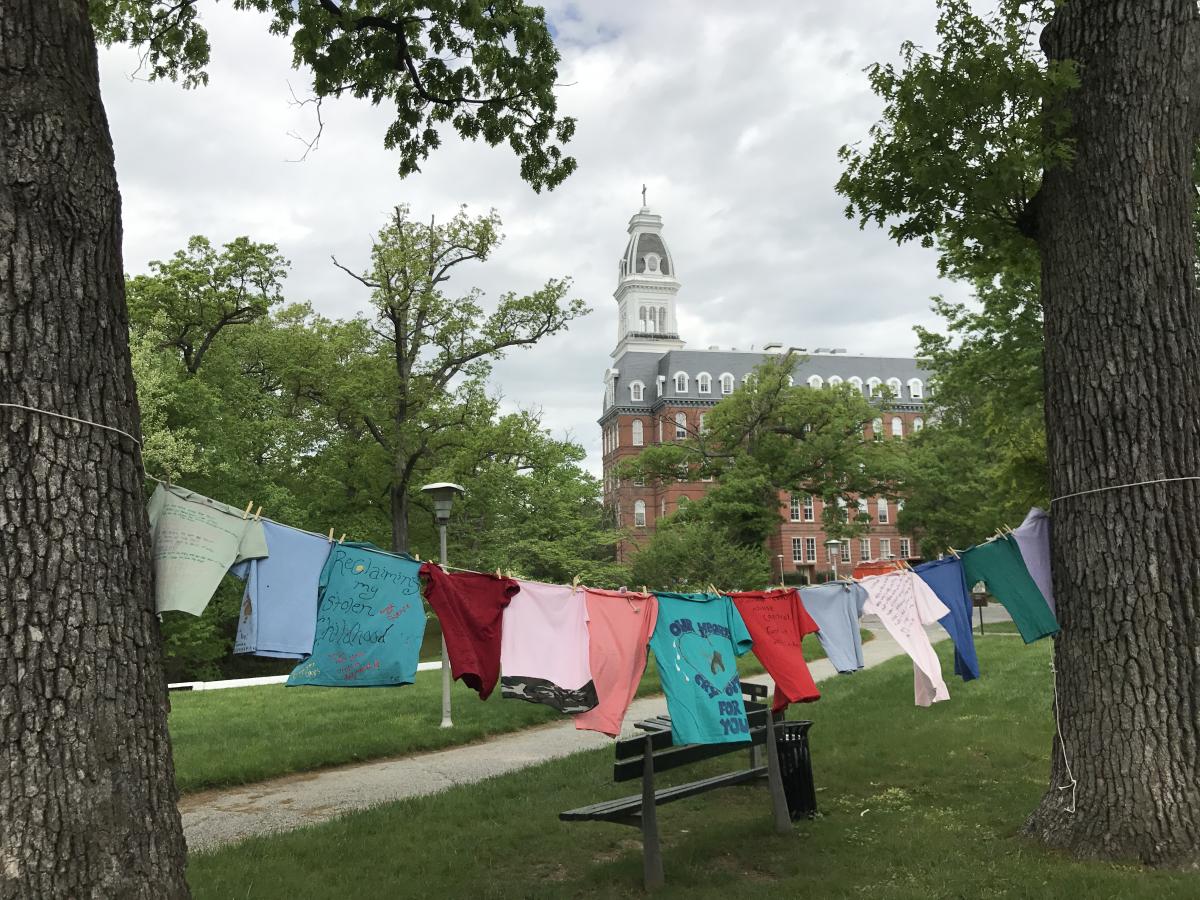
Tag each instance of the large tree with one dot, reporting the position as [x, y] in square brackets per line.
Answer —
[1087, 160]
[87, 794]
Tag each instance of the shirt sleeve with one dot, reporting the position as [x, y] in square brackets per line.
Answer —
[929, 607]
[804, 622]
[738, 631]
[155, 507]
[254, 542]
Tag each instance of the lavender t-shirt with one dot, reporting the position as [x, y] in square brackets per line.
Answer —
[1033, 540]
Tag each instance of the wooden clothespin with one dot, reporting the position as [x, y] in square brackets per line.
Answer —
[498, 573]
[416, 556]
[712, 588]
[645, 590]
[954, 552]
[575, 583]
[342, 538]
[258, 514]
[331, 534]
[246, 514]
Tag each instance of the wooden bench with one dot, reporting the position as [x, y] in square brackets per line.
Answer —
[643, 755]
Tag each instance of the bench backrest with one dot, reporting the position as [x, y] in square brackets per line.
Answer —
[666, 755]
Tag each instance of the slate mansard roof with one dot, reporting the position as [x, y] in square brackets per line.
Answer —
[647, 367]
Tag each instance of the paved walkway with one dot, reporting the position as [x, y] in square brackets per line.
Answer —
[212, 818]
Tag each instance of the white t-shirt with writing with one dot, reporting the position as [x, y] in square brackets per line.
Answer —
[905, 603]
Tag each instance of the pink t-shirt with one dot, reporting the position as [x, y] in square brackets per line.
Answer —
[544, 648]
[905, 603]
[619, 628]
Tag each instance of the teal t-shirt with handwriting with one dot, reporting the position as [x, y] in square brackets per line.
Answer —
[696, 642]
[370, 620]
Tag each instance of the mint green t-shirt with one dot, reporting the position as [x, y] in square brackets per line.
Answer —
[696, 642]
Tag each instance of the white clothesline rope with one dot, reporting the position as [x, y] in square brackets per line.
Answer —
[1117, 487]
[46, 412]
[1062, 745]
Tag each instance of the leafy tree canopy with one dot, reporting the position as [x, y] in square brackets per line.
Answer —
[486, 70]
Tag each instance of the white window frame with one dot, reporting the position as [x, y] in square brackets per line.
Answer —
[703, 427]
[835, 381]
[637, 392]
[681, 382]
[728, 383]
[680, 426]
[810, 508]
[816, 382]
[810, 549]
[885, 548]
[846, 551]
[873, 385]
[918, 424]
[793, 508]
[881, 511]
[895, 387]
[855, 382]
[797, 550]
[897, 427]
[639, 511]
[905, 548]
[916, 390]
[704, 383]
[864, 549]
[877, 429]
[637, 433]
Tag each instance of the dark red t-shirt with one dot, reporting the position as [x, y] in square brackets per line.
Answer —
[778, 622]
[469, 606]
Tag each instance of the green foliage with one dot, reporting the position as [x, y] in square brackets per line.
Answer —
[486, 70]
[690, 552]
[966, 133]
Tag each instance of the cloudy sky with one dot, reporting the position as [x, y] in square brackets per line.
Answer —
[731, 114]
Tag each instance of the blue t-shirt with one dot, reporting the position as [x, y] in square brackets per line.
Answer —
[370, 621]
[836, 607]
[696, 641]
[946, 578]
[279, 605]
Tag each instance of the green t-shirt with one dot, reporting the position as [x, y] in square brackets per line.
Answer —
[998, 564]
[194, 541]
[696, 642]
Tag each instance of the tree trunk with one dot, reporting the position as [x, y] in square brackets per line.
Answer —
[87, 788]
[1123, 406]
[399, 514]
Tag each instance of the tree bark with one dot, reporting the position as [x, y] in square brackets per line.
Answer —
[399, 490]
[1122, 406]
[87, 788]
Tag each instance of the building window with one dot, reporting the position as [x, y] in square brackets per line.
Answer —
[873, 386]
[863, 507]
[639, 513]
[639, 480]
[918, 424]
[915, 388]
[703, 427]
[682, 504]
[637, 390]
[707, 478]
[810, 549]
[864, 549]
[905, 548]
[894, 386]
[881, 509]
[680, 426]
[637, 433]
[897, 426]
[808, 508]
[794, 508]
[681, 382]
[877, 429]
[845, 551]
[704, 383]
[855, 382]
[797, 550]
[660, 430]
[662, 510]
[816, 381]
[726, 383]
[835, 381]
[885, 548]
[658, 383]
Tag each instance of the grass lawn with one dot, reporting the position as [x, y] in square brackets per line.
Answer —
[916, 803]
[243, 735]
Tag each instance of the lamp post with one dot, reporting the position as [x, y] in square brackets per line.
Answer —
[779, 556]
[979, 598]
[443, 493]
[831, 547]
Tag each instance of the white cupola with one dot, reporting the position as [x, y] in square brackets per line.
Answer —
[647, 284]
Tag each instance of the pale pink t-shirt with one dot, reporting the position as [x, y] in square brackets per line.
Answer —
[544, 648]
[619, 629]
[905, 603]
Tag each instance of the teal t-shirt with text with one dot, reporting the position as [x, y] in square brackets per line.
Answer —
[370, 620]
[696, 642]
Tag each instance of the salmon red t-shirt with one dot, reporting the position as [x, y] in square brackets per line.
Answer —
[778, 622]
[470, 607]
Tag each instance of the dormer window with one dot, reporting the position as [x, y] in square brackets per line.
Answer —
[681, 382]
[636, 391]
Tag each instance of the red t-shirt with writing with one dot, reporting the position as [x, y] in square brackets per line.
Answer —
[469, 606]
[778, 621]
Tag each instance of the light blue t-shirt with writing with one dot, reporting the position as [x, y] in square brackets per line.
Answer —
[279, 606]
[370, 621]
[696, 642]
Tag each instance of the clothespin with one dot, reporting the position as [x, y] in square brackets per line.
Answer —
[246, 514]
[416, 556]
[645, 590]
[575, 583]
[331, 534]
[258, 514]
[342, 538]
[954, 552]
[498, 574]
[712, 588]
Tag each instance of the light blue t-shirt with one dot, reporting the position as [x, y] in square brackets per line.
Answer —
[370, 620]
[696, 642]
[836, 607]
[279, 606]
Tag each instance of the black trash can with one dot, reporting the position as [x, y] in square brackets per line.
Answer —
[795, 768]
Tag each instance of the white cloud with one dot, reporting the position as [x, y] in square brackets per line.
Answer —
[731, 114]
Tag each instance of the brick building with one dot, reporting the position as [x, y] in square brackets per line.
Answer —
[657, 390]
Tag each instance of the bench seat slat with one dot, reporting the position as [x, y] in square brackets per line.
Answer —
[626, 806]
[673, 757]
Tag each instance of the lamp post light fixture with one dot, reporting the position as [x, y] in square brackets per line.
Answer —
[443, 493]
[831, 547]
[779, 556]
